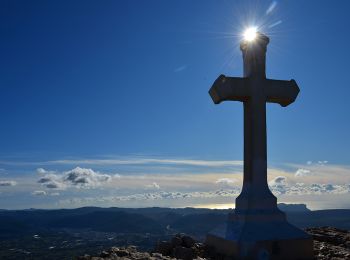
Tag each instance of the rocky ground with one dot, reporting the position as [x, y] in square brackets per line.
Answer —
[329, 243]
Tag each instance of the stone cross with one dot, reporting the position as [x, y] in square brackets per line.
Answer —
[257, 229]
[254, 90]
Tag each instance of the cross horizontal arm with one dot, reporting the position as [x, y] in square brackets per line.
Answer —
[283, 92]
[229, 88]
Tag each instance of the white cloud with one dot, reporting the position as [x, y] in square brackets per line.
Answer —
[41, 171]
[302, 172]
[278, 180]
[322, 162]
[7, 183]
[85, 178]
[225, 182]
[52, 181]
[279, 185]
[39, 193]
[77, 177]
[153, 186]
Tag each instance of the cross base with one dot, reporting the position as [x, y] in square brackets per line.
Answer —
[260, 236]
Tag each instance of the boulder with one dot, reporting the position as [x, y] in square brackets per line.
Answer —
[188, 241]
[176, 241]
[164, 248]
[183, 253]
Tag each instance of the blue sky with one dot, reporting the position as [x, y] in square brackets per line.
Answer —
[120, 90]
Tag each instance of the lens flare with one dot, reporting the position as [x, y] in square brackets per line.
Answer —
[250, 34]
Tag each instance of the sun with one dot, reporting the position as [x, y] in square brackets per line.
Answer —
[250, 34]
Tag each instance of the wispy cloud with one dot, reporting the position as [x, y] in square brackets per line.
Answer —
[44, 193]
[275, 24]
[225, 182]
[322, 172]
[153, 186]
[279, 186]
[181, 68]
[137, 163]
[43, 171]
[302, 172]
[271, 7]
[133, 161]
[39, 193]
[7, 183]
[161, 195]
[322, 162]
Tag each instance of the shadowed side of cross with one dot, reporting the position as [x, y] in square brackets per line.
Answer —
[254, 90]
[257, 226]
[283, 92]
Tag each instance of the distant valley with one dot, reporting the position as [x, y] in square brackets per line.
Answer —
[63, 233]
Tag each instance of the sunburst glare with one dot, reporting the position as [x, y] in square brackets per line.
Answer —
[250, 34]
[243, 21]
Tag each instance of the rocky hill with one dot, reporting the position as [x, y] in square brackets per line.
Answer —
[329, 243]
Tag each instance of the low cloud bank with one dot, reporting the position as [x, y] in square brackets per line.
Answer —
[280, 185]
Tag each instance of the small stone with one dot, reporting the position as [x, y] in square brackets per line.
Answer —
[347, 244]
[140, 256]
[104, 254]
[122, 252]
[132, 249]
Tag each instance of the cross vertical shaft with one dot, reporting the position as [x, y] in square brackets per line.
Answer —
[255, 147]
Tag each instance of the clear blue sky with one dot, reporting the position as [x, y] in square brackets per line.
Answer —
[97, 79]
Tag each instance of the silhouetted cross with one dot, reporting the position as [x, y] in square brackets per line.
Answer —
[254, 90]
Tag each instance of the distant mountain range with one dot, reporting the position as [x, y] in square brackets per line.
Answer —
[150, 220]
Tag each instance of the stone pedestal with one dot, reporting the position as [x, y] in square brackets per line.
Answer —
[260, 235]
